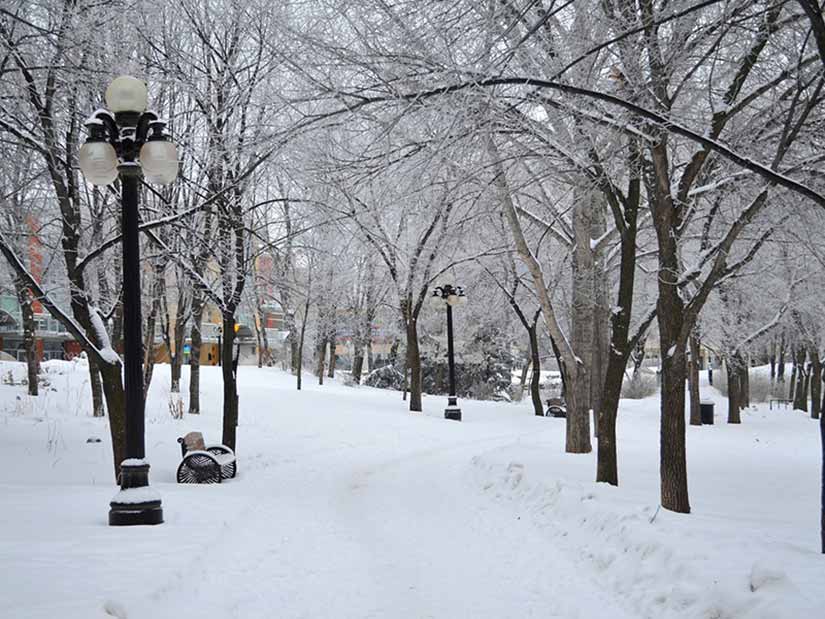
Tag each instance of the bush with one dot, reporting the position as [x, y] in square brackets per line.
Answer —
[639, 386]
[760, 386]
[385, 377]
[480, 381]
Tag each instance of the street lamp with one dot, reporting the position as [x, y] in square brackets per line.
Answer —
[451, 295]
[126, 143]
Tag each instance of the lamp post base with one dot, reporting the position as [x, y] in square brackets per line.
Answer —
[452, 411]
[453, 414]
[123, 514]
[136, 503]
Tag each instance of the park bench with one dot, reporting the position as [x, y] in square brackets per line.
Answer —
[556, 407]
[202, 464]
[779, 401]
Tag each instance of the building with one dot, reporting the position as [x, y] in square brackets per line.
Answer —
[52, 341]
[272, 320]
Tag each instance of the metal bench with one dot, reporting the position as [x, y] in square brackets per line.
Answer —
[779, 401]
[202, 464]
[556, 407]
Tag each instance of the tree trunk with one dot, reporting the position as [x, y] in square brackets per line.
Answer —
[772, 359]
[822, 404]
[822, 483]
[524, 371]
[535, 379]
[299, 349]
[331, 363]
[744, 381]
[116, 405]
[607, 468]
[258, 337]
[98, 409]
[414, 365]
[601, 315]
[816, 383]
[733, 374]
[780, 364]
[357, 364]
[671, 317]
[24, 299]
[582, 326]
[800, 399]
[673, 453]
[693, 380]
[230, 383]
[176, 359]
[638, 356]
[196, 340]
[320, 358]
[293, 340]
[792, 384]
[158, 283]
[806, 388]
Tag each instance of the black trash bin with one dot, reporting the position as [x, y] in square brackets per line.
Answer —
[706, 412]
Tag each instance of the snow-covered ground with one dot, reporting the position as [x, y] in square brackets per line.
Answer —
[346, 505]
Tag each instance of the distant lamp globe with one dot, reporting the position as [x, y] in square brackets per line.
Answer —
[159, 160]
[127, 94]
[98, 162]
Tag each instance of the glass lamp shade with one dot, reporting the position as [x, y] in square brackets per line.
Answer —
[98, 161]
[453, 299]
[127, 94]
[159, 160]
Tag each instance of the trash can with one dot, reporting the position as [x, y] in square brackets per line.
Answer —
[706, 412]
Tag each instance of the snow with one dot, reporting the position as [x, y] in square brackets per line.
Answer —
[105, 347]
[134, 462]
[137, 495]
[346, 505]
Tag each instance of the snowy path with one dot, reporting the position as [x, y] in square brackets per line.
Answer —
[348, 506]
[347, 534]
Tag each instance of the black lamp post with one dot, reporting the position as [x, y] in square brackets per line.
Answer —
[128, 143]
[451, 295]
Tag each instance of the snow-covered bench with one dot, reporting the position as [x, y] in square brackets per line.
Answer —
[556, 407]
[202, 464]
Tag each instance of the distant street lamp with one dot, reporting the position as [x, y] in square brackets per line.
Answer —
[451, 295]
[126, 143]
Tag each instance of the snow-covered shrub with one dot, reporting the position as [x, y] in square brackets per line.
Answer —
[761, 389]
[348, 380]
[483, 369]
[480, 381]
[385, 377]
[639, 386]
